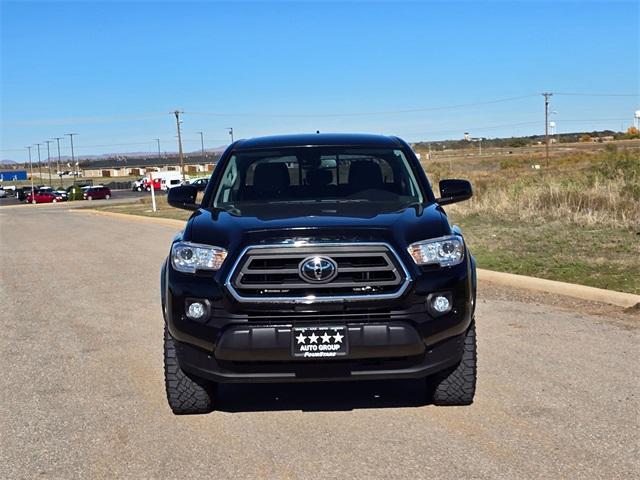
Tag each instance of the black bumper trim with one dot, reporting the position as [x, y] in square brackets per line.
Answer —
[273, 343]
[204, 364]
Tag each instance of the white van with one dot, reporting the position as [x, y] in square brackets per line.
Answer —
[166, 180]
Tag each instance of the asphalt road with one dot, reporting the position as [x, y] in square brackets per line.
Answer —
[82, 394]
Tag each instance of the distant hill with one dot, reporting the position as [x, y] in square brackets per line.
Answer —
[123, 156]
[515, 142]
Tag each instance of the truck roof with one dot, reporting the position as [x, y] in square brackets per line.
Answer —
[319, 139]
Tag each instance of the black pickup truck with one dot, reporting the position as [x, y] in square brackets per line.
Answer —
[314, 258]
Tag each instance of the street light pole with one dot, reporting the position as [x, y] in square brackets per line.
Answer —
[48, 159]
[158, 140]
[177, 114]
[230, 133]
[39, 161]
[31, 168]
[73, 157]
[202, 144]
[57, 139]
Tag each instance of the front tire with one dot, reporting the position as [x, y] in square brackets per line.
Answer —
[186, 393]
[457, 385]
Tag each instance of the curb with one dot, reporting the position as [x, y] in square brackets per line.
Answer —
[34, 205]
[169, 222]
[582, 292]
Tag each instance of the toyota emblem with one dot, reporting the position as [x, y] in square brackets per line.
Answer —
[318, 269]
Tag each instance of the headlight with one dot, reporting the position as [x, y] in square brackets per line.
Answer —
[443, 251]
[189, 257]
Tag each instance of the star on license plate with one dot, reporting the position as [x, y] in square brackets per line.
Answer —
[319, 342]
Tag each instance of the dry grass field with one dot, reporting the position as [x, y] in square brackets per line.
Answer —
[577, 220]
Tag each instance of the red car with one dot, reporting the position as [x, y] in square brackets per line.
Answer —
[96, 193]
[42, 197]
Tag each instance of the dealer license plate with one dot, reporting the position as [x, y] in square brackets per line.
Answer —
[320, 342]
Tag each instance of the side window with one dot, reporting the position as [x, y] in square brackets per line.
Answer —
[228, 183]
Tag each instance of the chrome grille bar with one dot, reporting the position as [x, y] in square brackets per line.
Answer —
[366, 271]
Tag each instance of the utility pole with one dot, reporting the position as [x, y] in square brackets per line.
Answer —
[73, 157]
[177, 114]
[159, 155]
[202, 144]
[48, 159]
[39, 161]
[31, 168]
[546, 124]
[230, 133]
[57, 139]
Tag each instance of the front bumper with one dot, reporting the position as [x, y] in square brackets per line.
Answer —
[208, 365]
[397, 338]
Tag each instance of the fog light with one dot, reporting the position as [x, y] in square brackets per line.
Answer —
[196, 310]
[441, 304]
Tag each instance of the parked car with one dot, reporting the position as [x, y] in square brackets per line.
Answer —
[41, 197]
[138, 185]
[60, 196]
[22, 192]
[3, 193]
[97, 193]
[318, 257]
[200, 183]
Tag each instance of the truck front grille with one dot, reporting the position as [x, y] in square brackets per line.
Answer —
[353, 271]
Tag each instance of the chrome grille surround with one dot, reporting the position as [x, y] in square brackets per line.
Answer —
[393, 277]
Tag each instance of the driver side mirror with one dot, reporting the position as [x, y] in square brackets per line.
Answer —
[452, 191]
[183, 197]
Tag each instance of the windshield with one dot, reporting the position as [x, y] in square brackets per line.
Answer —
[341, 175]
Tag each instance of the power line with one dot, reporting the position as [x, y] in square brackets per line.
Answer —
[592, 120]
[362, 114]
[510, 125]
[599, 94]
[84, 120]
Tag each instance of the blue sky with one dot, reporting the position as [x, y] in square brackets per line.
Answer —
[111, 71]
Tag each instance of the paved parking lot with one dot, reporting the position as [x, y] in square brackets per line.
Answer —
[83, 397]
[116, 195]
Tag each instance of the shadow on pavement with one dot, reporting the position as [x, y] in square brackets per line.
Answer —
[320, 396]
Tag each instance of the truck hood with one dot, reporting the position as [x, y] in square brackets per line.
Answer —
[316, 223]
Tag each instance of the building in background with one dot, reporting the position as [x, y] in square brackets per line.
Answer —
[12, 175]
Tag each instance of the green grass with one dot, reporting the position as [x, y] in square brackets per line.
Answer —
[143, 207]
[597, 256]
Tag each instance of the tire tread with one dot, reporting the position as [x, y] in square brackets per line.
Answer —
[457, 386]
[186, 394]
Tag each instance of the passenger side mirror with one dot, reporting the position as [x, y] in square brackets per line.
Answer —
[183, 197]
[452, 191]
